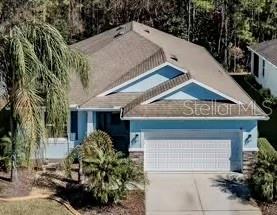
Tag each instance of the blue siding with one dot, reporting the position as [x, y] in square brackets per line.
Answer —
[193, 92]
[247, 127]
[151, 80]
[58, 148]
[82, 125]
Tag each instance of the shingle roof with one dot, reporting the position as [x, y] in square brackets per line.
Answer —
[151, 62]
[113, 59]
[267, 49]
[111, 101]
[156, 91]
[123, 53]
[109, 61]
[177, 108]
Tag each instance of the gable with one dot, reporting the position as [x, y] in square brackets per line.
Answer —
[151, 80]
[198, 91]
[193, 91]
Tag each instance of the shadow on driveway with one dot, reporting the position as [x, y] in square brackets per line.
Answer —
[237, 188]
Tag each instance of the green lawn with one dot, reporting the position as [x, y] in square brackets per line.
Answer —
[33, 207]
[267, 129]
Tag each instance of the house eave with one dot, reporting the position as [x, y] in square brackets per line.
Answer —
[98, 109]
[198, 118]
[141, 76]
[252, 50]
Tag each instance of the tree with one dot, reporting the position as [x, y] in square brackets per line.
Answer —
[35, 66]
[105, 172]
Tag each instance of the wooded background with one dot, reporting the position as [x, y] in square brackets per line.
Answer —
[224, 27]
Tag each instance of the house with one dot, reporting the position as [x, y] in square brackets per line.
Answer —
[162, 99]
[264, 64]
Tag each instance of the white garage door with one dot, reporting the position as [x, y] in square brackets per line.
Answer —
[191, 152]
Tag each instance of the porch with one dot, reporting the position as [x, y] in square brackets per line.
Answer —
[83, 123]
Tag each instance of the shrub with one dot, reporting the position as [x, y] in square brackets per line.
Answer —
[266, 148]
[264, 179]
[107, 173]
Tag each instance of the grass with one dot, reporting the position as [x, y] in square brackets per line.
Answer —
[267, 129]
[38, 206]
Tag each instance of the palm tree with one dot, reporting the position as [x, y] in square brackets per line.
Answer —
[35, 67]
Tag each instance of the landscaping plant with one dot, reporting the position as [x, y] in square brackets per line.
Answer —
[264, 179]
[35, 68]
[107, 173]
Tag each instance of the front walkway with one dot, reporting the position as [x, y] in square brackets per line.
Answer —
[197, 194]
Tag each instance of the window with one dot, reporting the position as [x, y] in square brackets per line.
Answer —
[256, 65]
[263, 67]
[74, 125]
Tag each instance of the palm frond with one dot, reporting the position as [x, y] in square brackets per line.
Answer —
[36, 65]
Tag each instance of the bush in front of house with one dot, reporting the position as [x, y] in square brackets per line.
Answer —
[106, 172]
[264, 178]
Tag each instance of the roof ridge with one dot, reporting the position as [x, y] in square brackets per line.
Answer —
[154, 91]
[114, 29]
[132, 72]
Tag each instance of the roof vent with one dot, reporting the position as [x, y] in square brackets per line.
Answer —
[120, 33]
[173, 57]
[147, 31]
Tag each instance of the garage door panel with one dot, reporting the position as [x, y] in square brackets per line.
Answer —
[187, 155]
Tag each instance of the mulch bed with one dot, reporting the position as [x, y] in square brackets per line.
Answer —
[70, 191]
[268, 208]
[20, 187]
[132, 205]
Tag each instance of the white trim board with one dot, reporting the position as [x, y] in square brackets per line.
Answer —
[141, 76]
[250, 149]
[198, 118]
[187, 83]
[100, 109]
[136, 149]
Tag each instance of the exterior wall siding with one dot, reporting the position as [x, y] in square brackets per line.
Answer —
[58, 148]
[269, 80]
[151, 80]
[248, 128]
[82, 126]
[193, 92]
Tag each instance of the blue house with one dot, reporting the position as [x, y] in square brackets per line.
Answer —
[163, 100]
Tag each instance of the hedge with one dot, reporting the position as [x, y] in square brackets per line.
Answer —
[266, 147]
[264, 178]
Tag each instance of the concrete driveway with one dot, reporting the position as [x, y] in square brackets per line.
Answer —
[197, 194]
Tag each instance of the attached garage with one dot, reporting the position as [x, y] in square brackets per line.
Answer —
[192, 150]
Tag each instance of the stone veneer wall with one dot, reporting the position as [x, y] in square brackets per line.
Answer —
[137, 157]
[249, 161]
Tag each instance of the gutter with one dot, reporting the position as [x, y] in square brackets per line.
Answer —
[198, 118]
